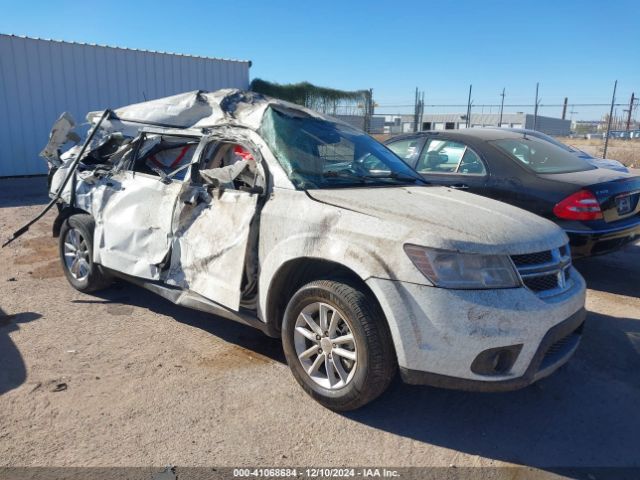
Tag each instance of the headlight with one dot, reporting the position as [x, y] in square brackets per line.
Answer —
[462, 270]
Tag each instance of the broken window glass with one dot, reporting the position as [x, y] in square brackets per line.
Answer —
[316, 153]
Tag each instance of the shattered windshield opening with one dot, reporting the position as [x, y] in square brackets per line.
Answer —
[316, 153]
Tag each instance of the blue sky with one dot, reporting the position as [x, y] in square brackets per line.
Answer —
[573, 48]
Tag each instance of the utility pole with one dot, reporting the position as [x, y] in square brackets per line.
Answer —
[572, 112]
[469, 108]
[421, 116]
[564, 108]
[630, 110]
[535, 109]
[416, 110]
[372, 106]
[606, 138]
[501, 107]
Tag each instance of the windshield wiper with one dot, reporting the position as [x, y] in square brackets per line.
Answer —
[347, 174]
[397, 176]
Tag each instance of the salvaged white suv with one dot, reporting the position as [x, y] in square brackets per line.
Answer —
[278, 217]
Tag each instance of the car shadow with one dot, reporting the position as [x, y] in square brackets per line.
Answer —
[583, 415]
[233, 332]
[13, 371]
[615, 273]
[23, 192]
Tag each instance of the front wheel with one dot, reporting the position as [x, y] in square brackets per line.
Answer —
[76, 255]
[337, 344]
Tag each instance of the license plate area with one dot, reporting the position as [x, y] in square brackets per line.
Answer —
[624, 204]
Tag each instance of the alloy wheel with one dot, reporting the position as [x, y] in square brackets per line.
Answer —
[325, 345]
[76, 254]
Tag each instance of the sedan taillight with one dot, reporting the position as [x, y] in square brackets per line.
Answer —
[582, 205]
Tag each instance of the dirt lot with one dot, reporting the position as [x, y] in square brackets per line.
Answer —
[625, 151]
[126, 378]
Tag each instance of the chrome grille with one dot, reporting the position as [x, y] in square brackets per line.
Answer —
[546, 273]
[532, 258]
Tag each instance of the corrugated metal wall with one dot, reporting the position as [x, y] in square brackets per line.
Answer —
[39, 79]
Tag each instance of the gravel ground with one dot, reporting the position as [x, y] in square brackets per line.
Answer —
[124, 377]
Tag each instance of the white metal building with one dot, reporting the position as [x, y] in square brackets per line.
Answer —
[548, 125]
[39, 79]
[451, 121]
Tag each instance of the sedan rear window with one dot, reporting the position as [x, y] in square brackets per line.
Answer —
[541, 156]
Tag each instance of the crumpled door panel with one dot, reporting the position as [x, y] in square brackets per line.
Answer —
[210, 244]
[133, 227]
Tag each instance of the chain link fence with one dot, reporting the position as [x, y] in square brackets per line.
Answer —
[580, 124]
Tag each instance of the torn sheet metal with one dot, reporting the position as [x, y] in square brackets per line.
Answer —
[133, 215]
[55, 195]
[224, 176]
[150, 227]
[210, 245]
[61, 133]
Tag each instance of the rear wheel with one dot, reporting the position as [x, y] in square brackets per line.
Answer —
[337, 344]
[76, 255]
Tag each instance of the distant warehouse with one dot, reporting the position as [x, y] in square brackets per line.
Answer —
[39, 79]
[452, 121]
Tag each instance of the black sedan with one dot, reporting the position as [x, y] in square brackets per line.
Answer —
[599, 209]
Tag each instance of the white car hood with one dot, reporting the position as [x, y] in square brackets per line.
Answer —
[441, 217]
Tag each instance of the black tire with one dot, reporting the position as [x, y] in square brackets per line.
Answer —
[97, 278]
[376, 360]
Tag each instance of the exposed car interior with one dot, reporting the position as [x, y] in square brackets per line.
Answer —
[230, 165]
[165, 156]
[105, 152]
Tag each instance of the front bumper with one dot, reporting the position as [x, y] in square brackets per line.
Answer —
[556, 348]
[440, 334]
[588, 243]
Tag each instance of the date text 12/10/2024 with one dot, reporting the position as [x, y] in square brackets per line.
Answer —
[316, 472]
